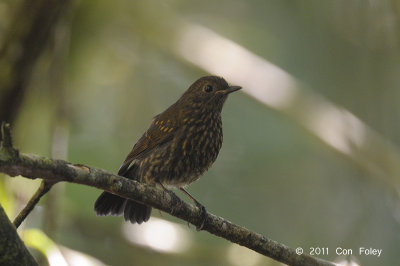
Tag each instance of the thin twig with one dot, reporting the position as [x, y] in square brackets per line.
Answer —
[44, 187]
[5, 136]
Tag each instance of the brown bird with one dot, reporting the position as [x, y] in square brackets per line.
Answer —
[180, 145]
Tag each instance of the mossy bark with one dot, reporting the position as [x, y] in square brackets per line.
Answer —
[12, 249]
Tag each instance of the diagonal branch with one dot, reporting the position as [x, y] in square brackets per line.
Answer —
[12, 249]
[53, 171]
[42, 190]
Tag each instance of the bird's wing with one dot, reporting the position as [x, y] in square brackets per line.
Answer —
[161, 130]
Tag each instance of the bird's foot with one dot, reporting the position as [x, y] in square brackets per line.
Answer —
[171, 194]
[203, 215]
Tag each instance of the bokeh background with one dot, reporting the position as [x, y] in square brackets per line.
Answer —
[311, 144]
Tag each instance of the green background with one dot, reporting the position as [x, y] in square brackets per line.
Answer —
[117, 66]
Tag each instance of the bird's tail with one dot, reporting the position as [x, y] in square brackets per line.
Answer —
[110, 204]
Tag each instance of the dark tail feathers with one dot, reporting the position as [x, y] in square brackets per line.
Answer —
[110, 204]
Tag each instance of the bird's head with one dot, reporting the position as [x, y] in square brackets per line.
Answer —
[208, 92]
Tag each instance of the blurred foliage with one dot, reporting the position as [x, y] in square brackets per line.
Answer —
[118, 69]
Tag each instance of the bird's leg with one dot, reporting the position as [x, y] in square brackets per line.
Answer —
[164, 188]
[203, 211]
[171, 193]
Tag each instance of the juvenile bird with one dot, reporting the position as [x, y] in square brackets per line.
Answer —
[180, 145]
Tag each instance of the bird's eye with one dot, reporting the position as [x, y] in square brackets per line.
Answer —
[208, 88]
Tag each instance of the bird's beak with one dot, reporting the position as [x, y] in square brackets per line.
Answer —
[232, 89]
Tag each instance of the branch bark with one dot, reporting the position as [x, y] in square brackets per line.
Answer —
[42, 190]
[30, 166]
[12, 249]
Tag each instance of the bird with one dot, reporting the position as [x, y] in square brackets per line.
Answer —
[180, 145]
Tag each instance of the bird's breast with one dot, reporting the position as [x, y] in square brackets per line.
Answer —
[187, 156]
[197, 148]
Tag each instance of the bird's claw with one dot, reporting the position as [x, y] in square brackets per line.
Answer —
[203, 215]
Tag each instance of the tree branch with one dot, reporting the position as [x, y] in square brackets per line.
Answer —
[12, 249]
[45, 186]
[53, 171]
